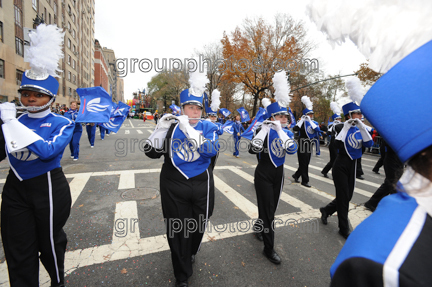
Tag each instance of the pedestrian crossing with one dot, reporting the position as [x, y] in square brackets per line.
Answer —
[127, 219]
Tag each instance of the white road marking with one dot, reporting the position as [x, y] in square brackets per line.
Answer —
[329, 181]
[127, 180]
[131, 123]
[126, 225]
[127, 132]
[140, 132]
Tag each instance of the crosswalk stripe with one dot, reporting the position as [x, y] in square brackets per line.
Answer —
[239, 200]
[131, 124]
[363, 181]
[363, 158]
[127, 180]
[326, 180]
[77, 185]
[284, 196]
[126, 225]
[140, 132]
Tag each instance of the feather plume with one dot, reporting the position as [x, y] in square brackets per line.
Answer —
[355, 89]
[335, 108]
[307, 102]
[198, 81]
[215, 100]
[385, 31]
[45, 49]
[266, 102]
[282, 89]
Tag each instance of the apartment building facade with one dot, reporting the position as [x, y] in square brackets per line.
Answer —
[75, 17]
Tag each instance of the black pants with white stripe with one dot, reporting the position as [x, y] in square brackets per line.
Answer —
[186, 205]
[268, 183]
[33, 213]
[304, 154]
[344, 177]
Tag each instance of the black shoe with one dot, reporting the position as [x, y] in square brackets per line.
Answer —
[259, 236]
[369, 206]
[324, 216]
[273, 257]
[306, 184]
[375, 171]
[295, 178]
[193, 259]
[360, 177]
[325, 175]
[181, 284]
[345, 233]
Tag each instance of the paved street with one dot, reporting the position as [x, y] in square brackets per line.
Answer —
[116, 230]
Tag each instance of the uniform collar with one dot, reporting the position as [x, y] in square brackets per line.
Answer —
[418, 187]
[39, 115]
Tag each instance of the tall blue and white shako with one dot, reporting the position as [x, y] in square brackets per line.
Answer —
[282, 90]
[308, 105]
[213, 109]
[44, 54]
[279, 139]
[311, 126]
[336, 111]
[354, 133]
[194, 95]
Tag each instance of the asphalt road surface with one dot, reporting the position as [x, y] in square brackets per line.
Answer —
[116, 234]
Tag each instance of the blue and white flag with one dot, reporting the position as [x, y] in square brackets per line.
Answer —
[225, 112]
[175, 109]
[293, 120]
[117, 118]
[228, 127]
[96, 105]
[259, 119]
[243, 114]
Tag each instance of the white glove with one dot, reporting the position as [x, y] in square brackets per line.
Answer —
[189, 131]
[277, 126]
[363, 131]
[8, 112]
[165, 122]
[307, 118]
[157, 138]
[258, 140]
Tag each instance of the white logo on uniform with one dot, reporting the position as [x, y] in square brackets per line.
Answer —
[353, 142]
[277, 148]
[187, 153]
[310, 130]
[93, 106]
[48, 125]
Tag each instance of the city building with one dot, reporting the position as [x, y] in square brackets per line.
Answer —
[75, 17]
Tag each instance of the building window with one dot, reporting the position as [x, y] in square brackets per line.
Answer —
[74, 78]
[19, 75]
[69, 76]
[70, 92]
[73, 64]
[19, 46]
[73, 48]
[1, 31]
[35, 5]
[69, 43]
[2, 69]
[55, 8]
[69, 60]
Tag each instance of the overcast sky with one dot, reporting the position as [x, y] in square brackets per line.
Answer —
[175, 29]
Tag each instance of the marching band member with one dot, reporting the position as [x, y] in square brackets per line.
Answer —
[237, 131]
[333, 152]
[271, 143]
[212, 114]
[308, 130]
[392, 246]
[72, 114]
[36, 199]
[351, 136]
[186, 179]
